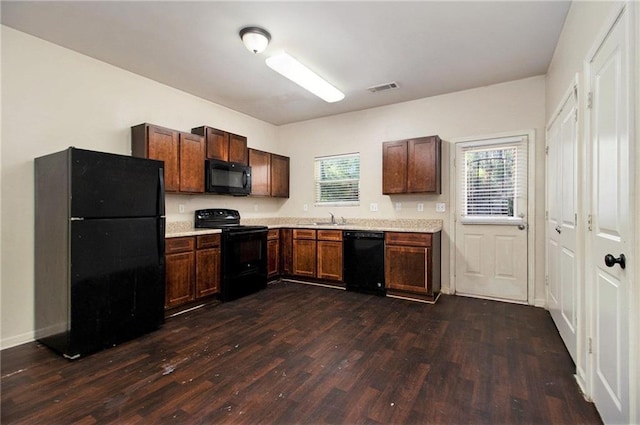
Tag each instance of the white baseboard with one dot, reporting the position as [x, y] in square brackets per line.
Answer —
[17, 340]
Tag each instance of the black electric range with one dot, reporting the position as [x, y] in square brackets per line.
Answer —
[244, 252]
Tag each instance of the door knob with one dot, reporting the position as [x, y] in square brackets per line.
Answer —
[559, 229]
[611, 261]
[522, 226]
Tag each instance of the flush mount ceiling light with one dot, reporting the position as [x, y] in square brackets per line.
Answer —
[289, 67]
[255, 39]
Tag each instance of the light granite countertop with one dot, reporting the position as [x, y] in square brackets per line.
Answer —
[185, 228]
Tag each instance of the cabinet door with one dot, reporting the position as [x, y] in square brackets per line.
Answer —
[304, 257]
[260, 163]
[207, 272]
[407, 269]
[180, 275]
[163, 145]
[394, 167]
[192, 152]
[423, 172]
[217, 143]
[238, 149]
[273, 257]
[330, 260]
[279, 176]
[286, 251]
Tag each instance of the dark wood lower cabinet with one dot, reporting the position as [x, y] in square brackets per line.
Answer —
[180, 271]
[317, 254]
[273, 253]
[304, 257]
[192, 269]
[412, 259]
[207, 265]
[330, 255]
[412, 264]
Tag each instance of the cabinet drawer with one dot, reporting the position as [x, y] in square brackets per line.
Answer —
[304, 234]
[273, 234]
[208, 241]
[173, 245]
[330, 235]
[412, 239]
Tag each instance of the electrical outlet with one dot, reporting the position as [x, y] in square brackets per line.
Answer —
[373, 207]
[420, 207]
[181, 208]
[398, 206]
[305, 207]
[440, 207]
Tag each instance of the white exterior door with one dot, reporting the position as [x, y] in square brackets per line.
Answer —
[561, 236]
[611, 229]
[491, 228]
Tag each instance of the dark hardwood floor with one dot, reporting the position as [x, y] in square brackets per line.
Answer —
[303, 354]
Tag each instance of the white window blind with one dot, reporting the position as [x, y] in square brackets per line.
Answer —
[337, 180]
[493, 178]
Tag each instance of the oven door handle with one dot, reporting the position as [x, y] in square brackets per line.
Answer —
[247, 232]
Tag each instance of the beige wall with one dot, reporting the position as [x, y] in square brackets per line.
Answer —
[512, 106]
[53, 98]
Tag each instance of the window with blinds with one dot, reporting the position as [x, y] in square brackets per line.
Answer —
[494, 181]
[337, 180]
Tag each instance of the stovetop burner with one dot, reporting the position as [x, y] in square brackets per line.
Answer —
[224, 219]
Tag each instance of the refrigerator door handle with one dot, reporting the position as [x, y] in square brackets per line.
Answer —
[161, 193]
[161, 240]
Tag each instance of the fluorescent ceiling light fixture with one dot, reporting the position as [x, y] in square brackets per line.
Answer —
[304, 77]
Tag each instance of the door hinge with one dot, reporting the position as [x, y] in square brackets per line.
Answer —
[575, 219]
[546, 280]
[546, 215]
[546, 150]
[575, 91]
[575, 116]
[589, 223]
[590, 100]
[590, 346]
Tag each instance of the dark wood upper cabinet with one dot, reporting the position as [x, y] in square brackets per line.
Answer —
[223, 146]
[394, 167]
[412, 166]
[182, 153]
[269, 174]
[260, 163]
[279, 176]
[238, 149]
[191, 163]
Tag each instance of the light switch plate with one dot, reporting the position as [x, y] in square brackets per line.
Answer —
[181, 208]
[420, 207]
[373, 207]
[305, 207]
[398, 206]
[440, 207]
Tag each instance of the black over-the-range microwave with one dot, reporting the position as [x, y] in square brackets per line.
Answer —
[227, 178]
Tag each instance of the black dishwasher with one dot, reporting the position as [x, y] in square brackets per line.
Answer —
[364, 261]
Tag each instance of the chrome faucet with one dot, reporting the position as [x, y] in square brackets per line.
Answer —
[333, 218]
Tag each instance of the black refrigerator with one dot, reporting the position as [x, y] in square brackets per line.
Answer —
[99, 249]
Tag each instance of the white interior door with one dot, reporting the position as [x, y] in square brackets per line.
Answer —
[610, 153]
[562, 289]
[491, 227]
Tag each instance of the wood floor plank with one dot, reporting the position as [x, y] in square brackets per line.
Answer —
[304, 354]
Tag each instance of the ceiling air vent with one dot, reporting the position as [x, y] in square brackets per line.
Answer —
[385, 86]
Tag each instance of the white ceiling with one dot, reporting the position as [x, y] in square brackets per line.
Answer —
[428, 48]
